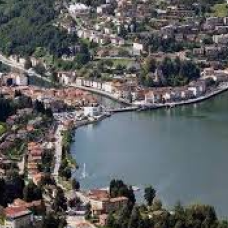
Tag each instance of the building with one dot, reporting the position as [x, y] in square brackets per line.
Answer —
[220, 39]
[65, 77]
[137, 48]
[79, 81]
[21, 80]
[101, 202]
[107, 87]
[92, 111]
[78, 8]
[17, 217]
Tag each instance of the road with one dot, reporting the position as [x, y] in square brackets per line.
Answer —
[101, 92]
[58, 150]
[11, 63]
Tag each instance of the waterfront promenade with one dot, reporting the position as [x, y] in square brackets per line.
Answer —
[220, 89]
[144, 106]
[58, 150]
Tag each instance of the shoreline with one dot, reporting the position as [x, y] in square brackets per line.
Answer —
[78, 124]
[145, 106]
[202, 98]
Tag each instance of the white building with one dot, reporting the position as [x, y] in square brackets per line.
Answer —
[92, 111]
[78, 8]
[80, 81]
[220, 39]
[137, 48]
[107, 87]
[21, 80]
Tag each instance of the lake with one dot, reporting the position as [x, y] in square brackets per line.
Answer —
[182, 152]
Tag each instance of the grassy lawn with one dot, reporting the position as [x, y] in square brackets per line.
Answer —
[2, 128]
[123, 62]
[220, 10]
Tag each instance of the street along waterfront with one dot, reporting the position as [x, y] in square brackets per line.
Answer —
[181, 151]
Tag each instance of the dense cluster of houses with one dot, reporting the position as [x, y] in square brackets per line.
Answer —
[129, 89]
[113, 18]
[19, 213]
[35, 152]
[13, 139]
[56, 99]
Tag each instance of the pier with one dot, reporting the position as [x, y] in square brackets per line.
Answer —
[123, 109]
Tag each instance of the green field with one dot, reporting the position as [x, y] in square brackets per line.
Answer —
[2, 129]
[220, 10]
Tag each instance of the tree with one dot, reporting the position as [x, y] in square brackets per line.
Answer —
[149, 195]
[75, 184]
[135, 218]
[40, 69]
[6, 109]
[28, 63]
[14, 185]
[39, 106]
[48, 112]
[2, 191]
[52, 220]
[60, 202]
[110, 220]
[123, 216]
[32, 192]
[150, 65]
[157, 205]
[119, 188]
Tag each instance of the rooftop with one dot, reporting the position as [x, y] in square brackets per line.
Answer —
[16, 212]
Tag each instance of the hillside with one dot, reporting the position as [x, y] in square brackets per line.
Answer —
[27, 24]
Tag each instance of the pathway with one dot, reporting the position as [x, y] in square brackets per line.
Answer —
[58, 150]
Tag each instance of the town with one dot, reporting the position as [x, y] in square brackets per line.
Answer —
[143, 54]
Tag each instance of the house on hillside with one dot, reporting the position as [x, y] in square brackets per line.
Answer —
[16, 217]
[101, 202]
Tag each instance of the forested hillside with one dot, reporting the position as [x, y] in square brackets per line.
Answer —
[27, 24]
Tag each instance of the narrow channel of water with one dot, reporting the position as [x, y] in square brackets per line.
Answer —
[182, 152]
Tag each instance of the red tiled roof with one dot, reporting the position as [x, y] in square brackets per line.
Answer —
[98, 194]
[15, 212]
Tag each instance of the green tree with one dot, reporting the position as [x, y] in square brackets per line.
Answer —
[75, 184]
[53, 220]
[32, 192]
[149, 195]
[135, 218]
[60, 202]
[150, 65]
[28, 63]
